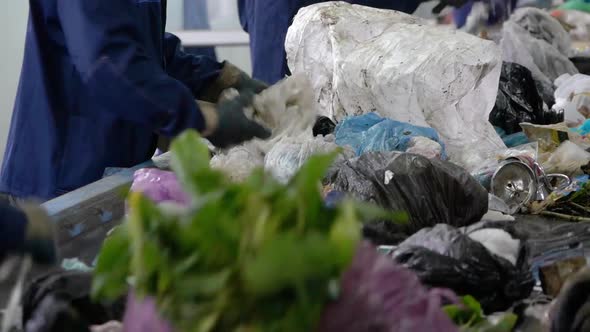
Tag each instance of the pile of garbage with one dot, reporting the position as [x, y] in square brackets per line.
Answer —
[464, 163]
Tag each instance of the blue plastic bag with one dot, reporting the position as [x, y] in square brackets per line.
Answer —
[583, 130]
[370, 132]
[513, 140]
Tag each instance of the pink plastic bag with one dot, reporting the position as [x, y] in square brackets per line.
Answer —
[377, 294]
[142, 316]
[160, 186]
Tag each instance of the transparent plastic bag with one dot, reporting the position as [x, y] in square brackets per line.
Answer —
[287, 155]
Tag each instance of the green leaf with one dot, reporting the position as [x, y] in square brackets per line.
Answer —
[112, 267]
[190, 162]
[469, 316]
[369, 212]
[345, 235]
[287, 260]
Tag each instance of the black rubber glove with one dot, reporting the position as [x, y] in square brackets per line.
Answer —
[230, 124]
[27, 230]
[232, 77]
[246, 84]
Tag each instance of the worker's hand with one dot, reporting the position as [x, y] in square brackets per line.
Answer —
[40, 237]
[232, 77]
[227, 125]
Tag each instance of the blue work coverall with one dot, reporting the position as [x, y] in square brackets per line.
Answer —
[100, 79]
[267, 22]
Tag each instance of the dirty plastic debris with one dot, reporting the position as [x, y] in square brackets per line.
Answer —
[239, 162]
[290, 153]
[61, 301]
[74, 264]
[443, 256]
[323, 126]
[430, 191]
[537, 41]
[568, 159]
[361, 59]
[518, 101]
[370, 132]
[573, 98]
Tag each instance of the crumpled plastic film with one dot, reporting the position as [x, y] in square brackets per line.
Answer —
[362, 59]
[534, 39]
[290, 153]
[288, 109]
[238, 162]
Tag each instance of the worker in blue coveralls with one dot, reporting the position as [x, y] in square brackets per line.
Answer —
[26, 230]
[100, 81]
[267, 22]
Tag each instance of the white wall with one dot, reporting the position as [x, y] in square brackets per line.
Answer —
[12, 39]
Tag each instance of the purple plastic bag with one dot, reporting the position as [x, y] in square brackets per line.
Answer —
[142, 316]
[159, 186]
[376, 294]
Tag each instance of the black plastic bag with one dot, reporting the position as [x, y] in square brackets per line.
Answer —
[430, 191]
[518, 101]
[61, 301]
[443, 256]
[582, 63]
[323, 126]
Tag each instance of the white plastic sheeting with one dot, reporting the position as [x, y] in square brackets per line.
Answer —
[361, 59]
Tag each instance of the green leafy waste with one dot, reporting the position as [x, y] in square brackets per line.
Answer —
[469, 316]
[250, 256]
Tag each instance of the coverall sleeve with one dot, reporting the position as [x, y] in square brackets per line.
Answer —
[194, 71]
[13, 226]
[106, 45]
